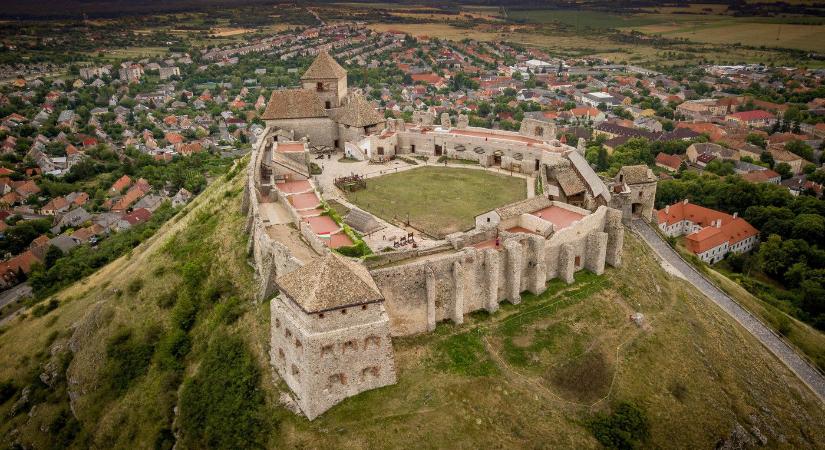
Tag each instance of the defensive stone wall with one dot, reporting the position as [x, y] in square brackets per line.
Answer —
[448, 285]
[270, 258]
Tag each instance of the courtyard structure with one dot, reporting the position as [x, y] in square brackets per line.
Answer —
[438, 200]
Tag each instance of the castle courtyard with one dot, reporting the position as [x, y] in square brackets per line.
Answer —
[438, 200]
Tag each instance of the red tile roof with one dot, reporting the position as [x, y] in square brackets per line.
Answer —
[747, 116]
[732, 229]
[121, 183]
[138, 216]
[760, 176]
[671, 161]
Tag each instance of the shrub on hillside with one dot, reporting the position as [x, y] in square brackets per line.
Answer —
[7, 391]
[221, 406]
[626, 427]
[128, 357]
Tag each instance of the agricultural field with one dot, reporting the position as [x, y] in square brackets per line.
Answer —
[802, 37]
[699, 25]
[582, 19]
[595, 44]
[438, 200]
[133, 53]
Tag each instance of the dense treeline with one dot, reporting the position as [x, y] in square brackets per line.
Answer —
[634, 151]
[792, 231]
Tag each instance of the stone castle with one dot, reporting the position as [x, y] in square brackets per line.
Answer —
[332, 317]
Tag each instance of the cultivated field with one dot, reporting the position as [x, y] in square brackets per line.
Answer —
[803, 33]
[438, 200]
[597, 45]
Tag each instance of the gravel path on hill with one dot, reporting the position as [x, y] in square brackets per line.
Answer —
[807, 373]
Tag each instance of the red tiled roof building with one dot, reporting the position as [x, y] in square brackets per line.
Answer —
[709, 234]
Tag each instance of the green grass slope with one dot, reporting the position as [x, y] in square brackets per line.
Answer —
[166, 345]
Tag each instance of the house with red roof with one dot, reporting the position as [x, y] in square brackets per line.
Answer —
[122, 183]
[762, 176]
[173, 138]
[756, 118]
[136, 217]
[668, 162]
[709, 234]
[428, 78]
[13, 269]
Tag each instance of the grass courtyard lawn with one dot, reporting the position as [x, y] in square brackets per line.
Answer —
[438, 200]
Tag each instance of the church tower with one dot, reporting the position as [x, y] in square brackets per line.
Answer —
[328, 79]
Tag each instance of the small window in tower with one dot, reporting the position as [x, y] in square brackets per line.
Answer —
[327, 104]
[319, 86]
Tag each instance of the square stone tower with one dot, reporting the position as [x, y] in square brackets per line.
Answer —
[328, 79]
[330, 334]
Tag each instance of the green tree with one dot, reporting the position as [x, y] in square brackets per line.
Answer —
[773, 259]
[809, 227]
[757, 140]
[783, 169]
[801, 149]
[767, 158]
[52, 255]
[602, 162]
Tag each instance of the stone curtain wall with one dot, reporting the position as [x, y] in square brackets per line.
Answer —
[454, 279]
[420, 293]
[270, 258]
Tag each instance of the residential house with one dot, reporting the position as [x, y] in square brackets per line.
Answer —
[695, 150]
[762, 176]
[709, 234]
[134, 218]
[754, 119]
[71, 219]
[668, 162]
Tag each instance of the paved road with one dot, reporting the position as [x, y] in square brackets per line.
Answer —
[782, 350]
[10, 295]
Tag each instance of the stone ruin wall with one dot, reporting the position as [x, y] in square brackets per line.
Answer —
[420, 293]
[270, 258]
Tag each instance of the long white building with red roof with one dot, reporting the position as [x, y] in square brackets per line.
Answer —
[709, 234]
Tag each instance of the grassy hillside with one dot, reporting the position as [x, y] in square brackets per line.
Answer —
[174, 324]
